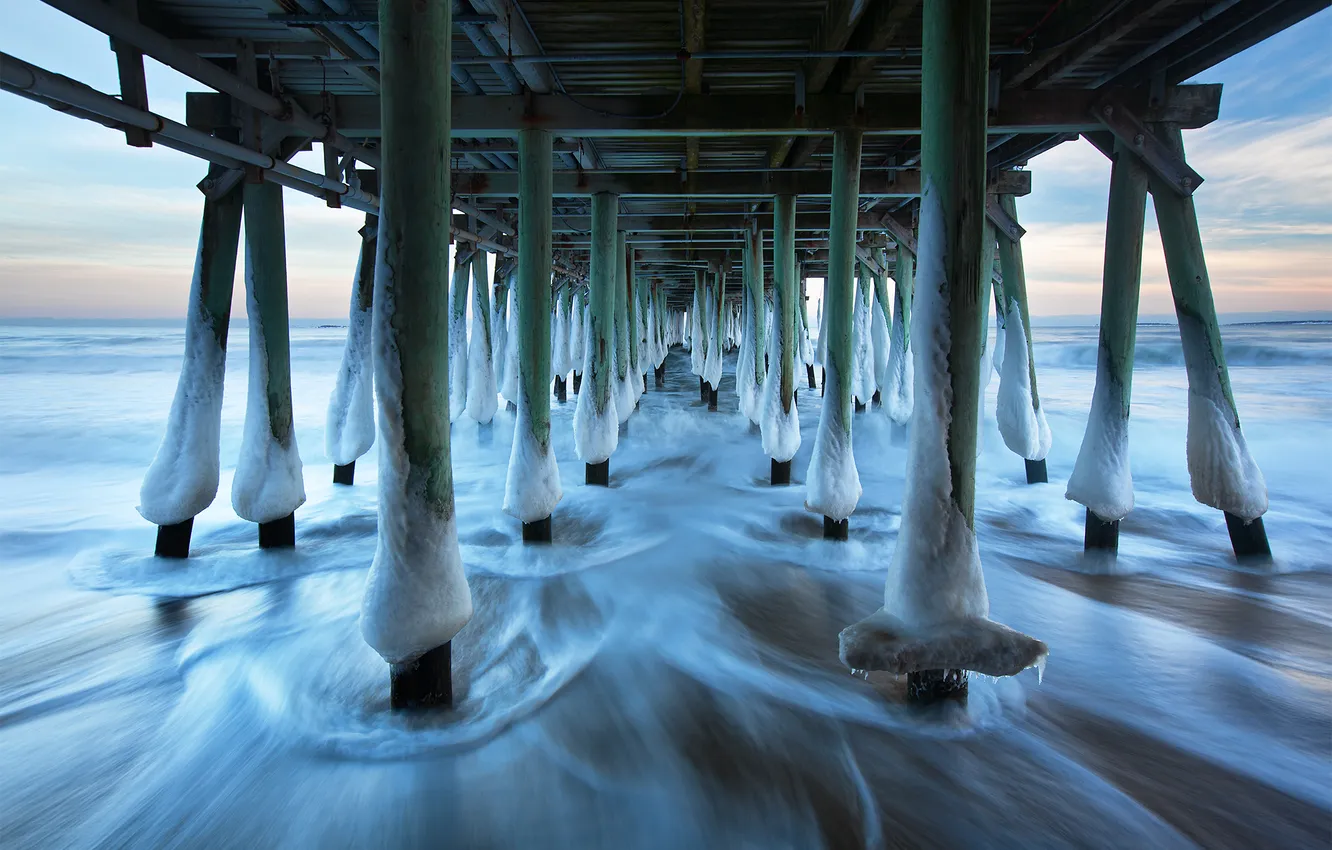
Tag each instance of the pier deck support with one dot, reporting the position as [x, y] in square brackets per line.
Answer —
[533, 486]
[350, 427]
[935, 622]
[712, 369]
[625, 397]
[482, 393]
[1021, 418]
[462, 273]
[268, 487]
[749, 372]
[596, 431]
[183, 477]
[416, 597]
[901, 374]
[832, 482]
[1223, 473]
[1102, 480]
[780, 420]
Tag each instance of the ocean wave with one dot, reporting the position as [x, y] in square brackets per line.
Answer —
[1074, 355]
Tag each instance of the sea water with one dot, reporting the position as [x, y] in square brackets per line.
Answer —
[665, 674]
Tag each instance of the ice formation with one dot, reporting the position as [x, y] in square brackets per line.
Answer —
[936, 608]
[821, 344]
[780, 427]
[458, 335]
[512, 370]
[183, 477]
[532, 484]
[862, 353]
[482, 395]
[746, 376]
[1221, 470]
[268, 483]
[879, 339]
[899, 394]
[1021, 422]
[350, 428]
[1102, 479]
[832, 484]
[696, 339]
[712, 360]
[577, 332]
[416, 595]
[596, 434]
[559, 340]
[499, 334]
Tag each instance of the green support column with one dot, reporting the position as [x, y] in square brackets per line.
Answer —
[934, 625]
[183, 477]
[625, 399]
[350, 426]
[698, 332]
[482, 394]
[1223, 473]
[1102, 479]
[416, 596]
[533, 486]
[462, 274]
[882, 332]
[631, 319]
[717, 306]
[901, 377]
[1022, 421]
[832, 482]
[780, 422]
[749, 370]
[595, 420]
[806, 346]
[268, 487]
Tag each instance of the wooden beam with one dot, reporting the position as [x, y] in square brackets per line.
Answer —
[901, 184]
[1158, 156]
[1056, 111]
[1050, 66]
[133, 85]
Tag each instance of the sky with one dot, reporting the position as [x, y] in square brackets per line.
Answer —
[92, 228]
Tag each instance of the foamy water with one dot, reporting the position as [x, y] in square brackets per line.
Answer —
[666, 674]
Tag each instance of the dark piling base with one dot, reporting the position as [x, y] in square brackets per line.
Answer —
[781, 472]
[927, 687]
[702, 391]
[278, 534]
[809, 373]
[1100, 534]
[537, 532]
[577, 382]
[424, 683]
[659, 375]
[823, 382]
[1036, 472]
[1249, 540]
[344, 473]
[877, 399]
[173, 541]
[510, 406]
[860, 408]
[597, 473]
[836, 529]
[561, 393]
[712, 398]
[485, 433]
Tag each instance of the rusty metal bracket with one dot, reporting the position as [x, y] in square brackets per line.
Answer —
[1159, 158]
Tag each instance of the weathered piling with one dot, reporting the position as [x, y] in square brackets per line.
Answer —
[595, 419]
[832, 482]
[1021, 418]
[625, 397]
[901, 365]
[934, 625]
[712, 367]
[183, 477]
[416, 596]
[350, 428]
[1221, 470]
[462, 273]
[749, 371]
[780, 421]
[482, 394]
[1102, 478]
[268, 487]
[532, 488]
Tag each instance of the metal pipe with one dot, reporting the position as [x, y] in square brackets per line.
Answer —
[106, 19]
[481, 215]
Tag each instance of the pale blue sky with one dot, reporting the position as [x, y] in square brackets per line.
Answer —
[90, 227]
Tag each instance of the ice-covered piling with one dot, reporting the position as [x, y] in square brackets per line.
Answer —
[268, 486]
[1221, 469]
[350, 429]
[1021, 417]
[781, 420]
[416, 595]
[749, 372]
[596, 434]
[183, 477]
[532, 488]
[832, 484]
[717, 313]
[1102, 479]
[482, 394]
[935, 613]
[462, 272]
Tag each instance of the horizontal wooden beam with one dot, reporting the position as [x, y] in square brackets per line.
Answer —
[1058, 111]
[705, 224]
[890, 184]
